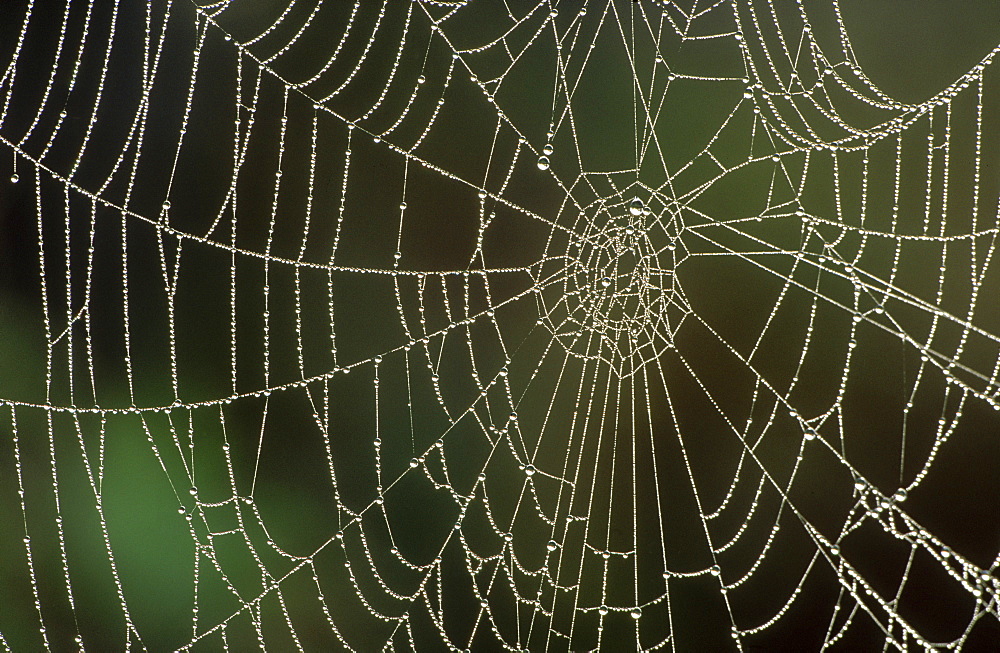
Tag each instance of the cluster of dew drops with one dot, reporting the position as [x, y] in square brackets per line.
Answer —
[543, 160]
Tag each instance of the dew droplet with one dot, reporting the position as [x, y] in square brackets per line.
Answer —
[529, 470]
[605, 282]
[635, 206]
[603, 610]
[900, 495]
[551, 546]
[636, 613]
[14, 179]
[543, 163]
[548, 149]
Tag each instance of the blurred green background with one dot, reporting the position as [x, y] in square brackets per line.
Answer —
[267, 482]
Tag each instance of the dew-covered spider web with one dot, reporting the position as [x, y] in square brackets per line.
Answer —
[550, 326]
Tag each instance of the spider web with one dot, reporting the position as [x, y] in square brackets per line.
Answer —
[479, 326]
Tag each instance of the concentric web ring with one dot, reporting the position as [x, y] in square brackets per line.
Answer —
[620, 325]
[612, 293]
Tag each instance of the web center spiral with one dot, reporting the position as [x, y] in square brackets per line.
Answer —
[612, 295]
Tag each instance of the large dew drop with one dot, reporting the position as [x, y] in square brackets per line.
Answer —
[635, 206]
[543, 163]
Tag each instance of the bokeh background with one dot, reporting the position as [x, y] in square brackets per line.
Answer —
[171, 419]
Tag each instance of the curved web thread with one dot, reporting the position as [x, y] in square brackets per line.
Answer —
[401, 325]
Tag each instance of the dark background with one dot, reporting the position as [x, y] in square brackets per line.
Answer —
[679, 411]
